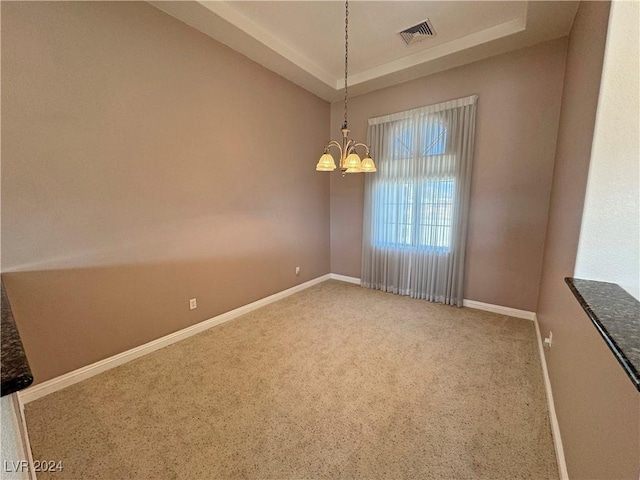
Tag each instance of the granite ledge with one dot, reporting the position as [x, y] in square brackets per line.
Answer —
[616, 316]
[15, 371]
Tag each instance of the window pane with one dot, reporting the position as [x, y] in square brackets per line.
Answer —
[434, 139]
[436, 214]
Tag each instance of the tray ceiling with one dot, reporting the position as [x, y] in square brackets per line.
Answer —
[304, 40]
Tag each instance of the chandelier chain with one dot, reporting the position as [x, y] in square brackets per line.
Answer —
[346, 56]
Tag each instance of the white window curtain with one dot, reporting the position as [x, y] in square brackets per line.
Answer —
[417, 204]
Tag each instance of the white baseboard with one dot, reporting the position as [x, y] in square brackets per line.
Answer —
[551, 406]
[40, 390]
[24, 434]
[344, 278]
[512, 312]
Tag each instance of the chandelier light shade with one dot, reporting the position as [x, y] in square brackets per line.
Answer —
[350, 161]
[326, 163]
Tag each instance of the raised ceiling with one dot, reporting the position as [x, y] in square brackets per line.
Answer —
[304, 40]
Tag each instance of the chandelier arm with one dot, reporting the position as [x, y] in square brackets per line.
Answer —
[366, 147]
[333, 143]
[348, 146]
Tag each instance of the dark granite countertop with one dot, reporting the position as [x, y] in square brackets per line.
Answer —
[15, 371]
[616, 315]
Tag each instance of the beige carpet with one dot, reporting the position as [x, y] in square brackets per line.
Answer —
[334, 382]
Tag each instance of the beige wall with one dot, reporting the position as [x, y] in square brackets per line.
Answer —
[144, 164]
[597, 405]
[517, 122]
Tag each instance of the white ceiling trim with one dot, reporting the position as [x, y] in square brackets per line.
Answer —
[244, 24]
[469, 41]
[206, 21]
[235, 18]
[538, 22]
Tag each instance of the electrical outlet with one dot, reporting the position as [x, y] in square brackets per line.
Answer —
[297, 271]
[193, 304]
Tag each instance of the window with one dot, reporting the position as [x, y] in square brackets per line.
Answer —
[416, 207]
[417, 214]
[414, 198]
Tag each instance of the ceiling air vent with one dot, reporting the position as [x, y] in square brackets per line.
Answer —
[418, 32]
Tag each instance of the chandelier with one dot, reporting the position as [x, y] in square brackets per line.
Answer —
[349, 159]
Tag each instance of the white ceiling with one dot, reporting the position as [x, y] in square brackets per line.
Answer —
[304, 40]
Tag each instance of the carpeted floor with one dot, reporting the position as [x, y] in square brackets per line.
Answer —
[336, 381]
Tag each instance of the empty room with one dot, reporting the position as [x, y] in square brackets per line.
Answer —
[320, 239]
